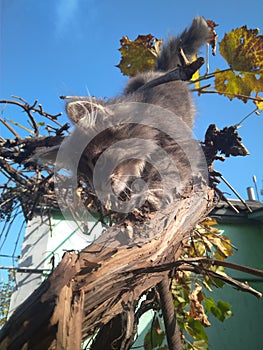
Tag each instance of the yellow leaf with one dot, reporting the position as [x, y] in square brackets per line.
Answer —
[139, 55]
[209, 222]
[259, 103]
[240, 85]
[196, 75]
[243, 49]
[222, 245]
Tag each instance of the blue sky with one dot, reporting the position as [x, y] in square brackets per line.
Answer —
[50, 48]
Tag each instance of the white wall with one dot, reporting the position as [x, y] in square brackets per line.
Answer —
[41, 244]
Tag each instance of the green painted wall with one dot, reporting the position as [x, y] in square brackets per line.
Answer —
[245, 329]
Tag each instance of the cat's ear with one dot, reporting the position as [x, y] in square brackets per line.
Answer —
[85, 109]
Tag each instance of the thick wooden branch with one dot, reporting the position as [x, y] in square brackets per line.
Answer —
[39, 313]
[99, 281]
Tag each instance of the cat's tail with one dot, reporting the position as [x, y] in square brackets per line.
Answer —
[190, 41]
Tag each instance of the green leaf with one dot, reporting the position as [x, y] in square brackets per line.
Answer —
[200, 345]
[154, 337]
[41, 124]
[225, 309]
[6, 289]
[221, 310]
[195, 329]
[214, 282]
[209, 303]
[211, 306]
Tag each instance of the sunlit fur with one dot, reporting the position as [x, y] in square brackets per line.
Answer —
[89, 113]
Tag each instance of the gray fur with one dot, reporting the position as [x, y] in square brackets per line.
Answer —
[134, 161]
[190, 41]
[175, 95]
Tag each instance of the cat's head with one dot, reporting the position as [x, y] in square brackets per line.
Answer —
[87, 110]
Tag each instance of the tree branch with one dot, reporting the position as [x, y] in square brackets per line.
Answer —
[10, 128]
[180, 73]
[227, 279]
[173, 333]
[95, 269]
[32, 108]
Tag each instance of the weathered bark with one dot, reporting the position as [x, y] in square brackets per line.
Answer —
[88, 290]
[118, 333]
[173, 333]
[35, 323]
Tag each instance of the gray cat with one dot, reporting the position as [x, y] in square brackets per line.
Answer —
[135, 149]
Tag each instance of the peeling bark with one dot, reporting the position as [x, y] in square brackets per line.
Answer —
[89, 290]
